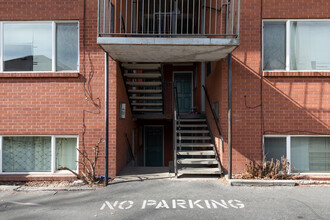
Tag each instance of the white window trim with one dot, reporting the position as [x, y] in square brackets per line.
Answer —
[53, 23]
[288, 150]
[53, 150]
[287, 44]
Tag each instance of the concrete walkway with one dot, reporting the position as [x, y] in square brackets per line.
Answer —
[130, 174]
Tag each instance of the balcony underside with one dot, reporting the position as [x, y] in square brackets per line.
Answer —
[135, 49]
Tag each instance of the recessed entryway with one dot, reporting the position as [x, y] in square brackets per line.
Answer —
[154, 145]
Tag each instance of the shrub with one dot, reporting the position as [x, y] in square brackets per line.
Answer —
[268, 170]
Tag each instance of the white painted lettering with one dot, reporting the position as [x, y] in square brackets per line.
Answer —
[148, 203]
[162, 204]
[215, 204]
[239, 204]
[128, 206]
[181, 203]
[207, 203]
[192, 204]
[107, 203]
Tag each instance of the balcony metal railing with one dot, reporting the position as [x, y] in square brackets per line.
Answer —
[169, 18]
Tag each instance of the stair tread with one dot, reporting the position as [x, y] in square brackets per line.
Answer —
[147, 110]
[199, 170]
[195, 145]
[147, 91]
[141, 66]
[196, 152]
[144, 83]
[195, 138]
[143, 75]
[197, 161]
[193, 131]
[193, 126]
[192, 120]
[146, 97]
[147, 104]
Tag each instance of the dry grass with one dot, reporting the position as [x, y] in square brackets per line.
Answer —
[278, 170]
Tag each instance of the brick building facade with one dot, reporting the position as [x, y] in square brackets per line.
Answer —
[272, 108]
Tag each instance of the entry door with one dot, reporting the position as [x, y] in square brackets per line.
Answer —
[183, 82]
[154, 146]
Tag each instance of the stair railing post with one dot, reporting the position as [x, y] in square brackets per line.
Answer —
[175, 143]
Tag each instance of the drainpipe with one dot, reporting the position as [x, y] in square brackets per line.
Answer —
[106, 139]
[229, 116]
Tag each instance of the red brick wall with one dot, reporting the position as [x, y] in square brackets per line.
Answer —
[291, 104]
[124, 126]
[35, 105]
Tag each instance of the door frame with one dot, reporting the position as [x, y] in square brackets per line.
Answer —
[144, 142]
[192, 85]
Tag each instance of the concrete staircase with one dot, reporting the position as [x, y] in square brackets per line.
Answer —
[144, 87]
[195, 150]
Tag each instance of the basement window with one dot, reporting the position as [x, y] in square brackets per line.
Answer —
[307, 154]
[296, 45]
[37, 154]
[39, 46]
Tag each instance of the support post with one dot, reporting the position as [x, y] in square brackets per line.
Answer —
[106, 116]
[229, 116]
[202, 84]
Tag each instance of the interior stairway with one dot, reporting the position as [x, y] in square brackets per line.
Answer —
[144, 86]
[196, 152]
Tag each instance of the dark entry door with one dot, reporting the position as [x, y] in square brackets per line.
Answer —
[183, 82]
[154, 146]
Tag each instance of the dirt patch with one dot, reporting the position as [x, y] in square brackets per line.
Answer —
[50, 184]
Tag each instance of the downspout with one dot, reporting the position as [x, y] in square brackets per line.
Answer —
[106, 139]
[230, 116]
[230, 154]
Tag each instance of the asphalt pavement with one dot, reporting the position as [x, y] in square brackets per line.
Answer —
[170, 198]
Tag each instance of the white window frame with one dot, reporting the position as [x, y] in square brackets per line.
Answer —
[288, 150]
[53, 154]
[53, 23]
[287, 43]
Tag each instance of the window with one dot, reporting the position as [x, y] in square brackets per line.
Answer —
[307, 154]
[39, 46]
[296, 45]
[25, 154]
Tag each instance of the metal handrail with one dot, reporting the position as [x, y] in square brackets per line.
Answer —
[169, 18]
[176, 118]
[214, 117]
[130, 147]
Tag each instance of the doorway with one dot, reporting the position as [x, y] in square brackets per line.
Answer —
[184, 84]
[154, 146]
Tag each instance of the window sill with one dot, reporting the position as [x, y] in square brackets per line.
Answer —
[39, 75]
[296, 73]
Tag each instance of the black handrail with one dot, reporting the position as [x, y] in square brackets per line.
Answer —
[130, 147]
[214, 117]
[177, 100]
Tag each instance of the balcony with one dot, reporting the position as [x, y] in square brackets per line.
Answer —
[168, 30]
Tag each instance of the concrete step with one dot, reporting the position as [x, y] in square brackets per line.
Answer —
[193, 131]
[141, 66]
[144, 83]
[143, 75]
[145, 97]
[145, 91]
[195, 145]
[196, 153]
[197, 161]
[192, 170]
[147, 104]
